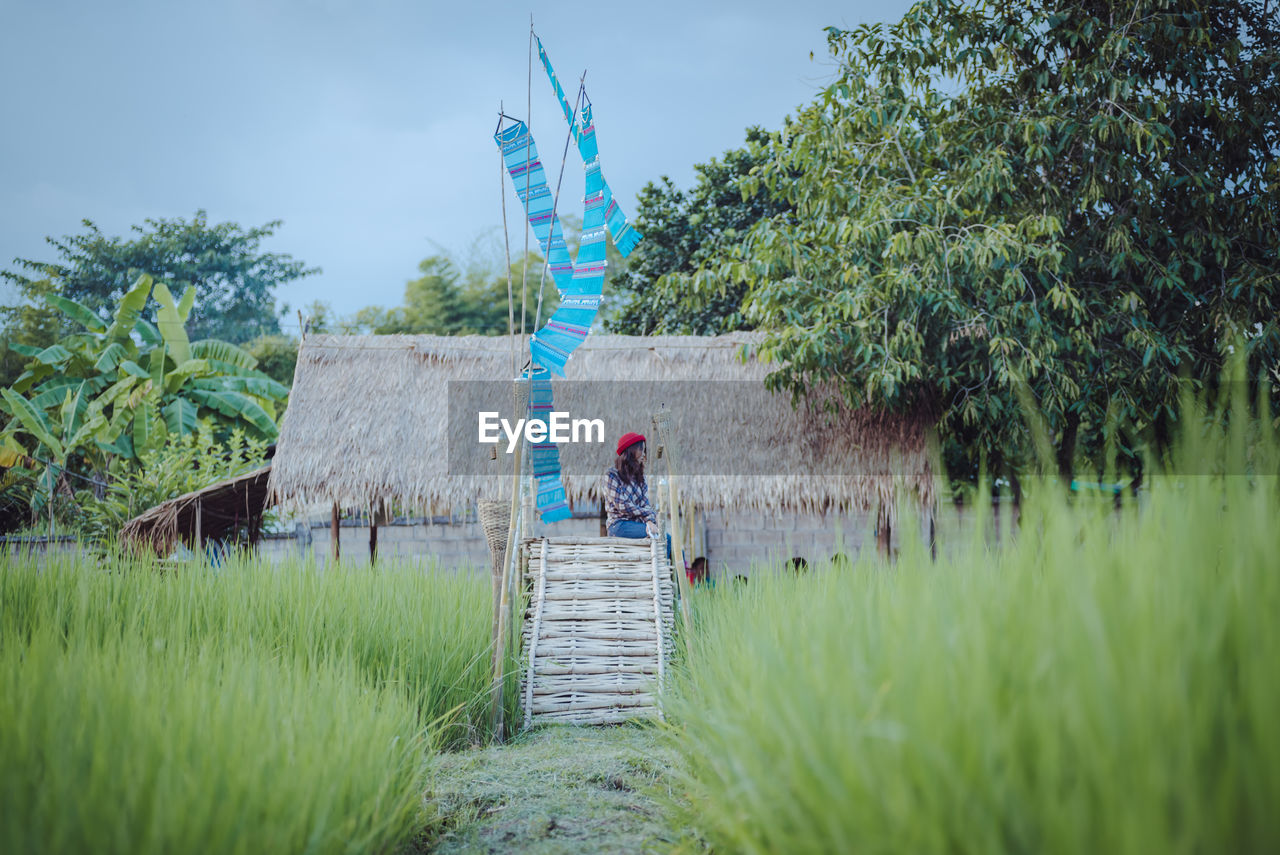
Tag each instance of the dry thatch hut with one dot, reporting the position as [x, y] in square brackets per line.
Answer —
[394, 418]
[212, 513]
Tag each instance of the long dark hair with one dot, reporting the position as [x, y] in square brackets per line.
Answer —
[629, 465]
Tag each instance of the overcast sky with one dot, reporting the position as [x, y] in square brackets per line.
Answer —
[367, 126]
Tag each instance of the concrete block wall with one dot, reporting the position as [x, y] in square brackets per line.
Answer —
[736, 542]
[740, 543]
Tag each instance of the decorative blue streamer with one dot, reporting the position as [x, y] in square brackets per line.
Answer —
[580, 281]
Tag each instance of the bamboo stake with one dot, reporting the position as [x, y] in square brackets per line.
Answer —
[496, 712]
[661, 424]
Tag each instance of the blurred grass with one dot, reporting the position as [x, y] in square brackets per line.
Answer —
[1104, 682]
[249, 708]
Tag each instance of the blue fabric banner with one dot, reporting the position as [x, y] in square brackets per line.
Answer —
[580, 281]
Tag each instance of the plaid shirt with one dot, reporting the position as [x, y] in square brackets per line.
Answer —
[625, 501]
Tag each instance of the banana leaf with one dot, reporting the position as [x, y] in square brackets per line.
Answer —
[54, 354]
[121, 445]
[52, 392]
[135, 397]
[74, 413]
[235, 405]
[111, 357]
[24, 349]
[149, 431]
[33, 422]
[112, 395]
[155, 361]
[130, 309]
[78, 312]
[184, 305]
[175, 379]
[32, 376]
[130, 367]
[86, 432]
[260, 386]
[11, 453]
[180, 416]
[148, 333]
[222, 351]
[169, 319]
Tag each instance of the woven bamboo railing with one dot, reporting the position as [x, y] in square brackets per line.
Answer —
[597, 636]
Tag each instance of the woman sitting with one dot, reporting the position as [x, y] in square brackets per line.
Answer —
[626, 496]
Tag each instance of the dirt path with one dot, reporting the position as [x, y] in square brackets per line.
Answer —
[558, 789]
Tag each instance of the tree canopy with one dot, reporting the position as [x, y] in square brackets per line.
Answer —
[1080, 197]
[234, 279]
[684, 231]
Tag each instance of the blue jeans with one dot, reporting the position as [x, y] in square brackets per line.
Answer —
[627, 528]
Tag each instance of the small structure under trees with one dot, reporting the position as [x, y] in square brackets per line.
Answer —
[214, 513]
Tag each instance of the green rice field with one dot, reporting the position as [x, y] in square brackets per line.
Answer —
[1104, 680]
[248, 708]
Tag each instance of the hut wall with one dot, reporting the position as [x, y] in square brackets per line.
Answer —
[737, 542]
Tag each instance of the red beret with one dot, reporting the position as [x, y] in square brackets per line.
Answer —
[628, 440]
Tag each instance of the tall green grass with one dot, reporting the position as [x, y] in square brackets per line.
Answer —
[1106, 682]
[248, 708]
[426, 633]
[132, 746]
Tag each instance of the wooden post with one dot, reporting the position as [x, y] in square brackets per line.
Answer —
[199, 538]
[604, 520]
[883, 531]
[335, 533]
[373, 542]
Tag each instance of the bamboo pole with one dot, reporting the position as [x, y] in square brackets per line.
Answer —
[661, 423]
[52, 491]
[496, 712]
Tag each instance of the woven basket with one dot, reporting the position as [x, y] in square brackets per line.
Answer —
[495, 516]
[597, 635]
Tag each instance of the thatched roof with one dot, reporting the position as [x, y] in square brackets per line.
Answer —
[221, 509]
[368, 420]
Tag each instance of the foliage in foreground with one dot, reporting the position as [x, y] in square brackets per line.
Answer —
[1106, 683]
[154, 746]
[248, 708]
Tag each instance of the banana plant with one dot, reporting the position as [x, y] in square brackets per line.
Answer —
[53, 447]
[119, 389]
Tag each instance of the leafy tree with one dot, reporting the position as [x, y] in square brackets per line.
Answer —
[277, 356]
[469, 296]
[684, 231]
[233, 279]
[31, 323]
[1094, 213]
[449, 300]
